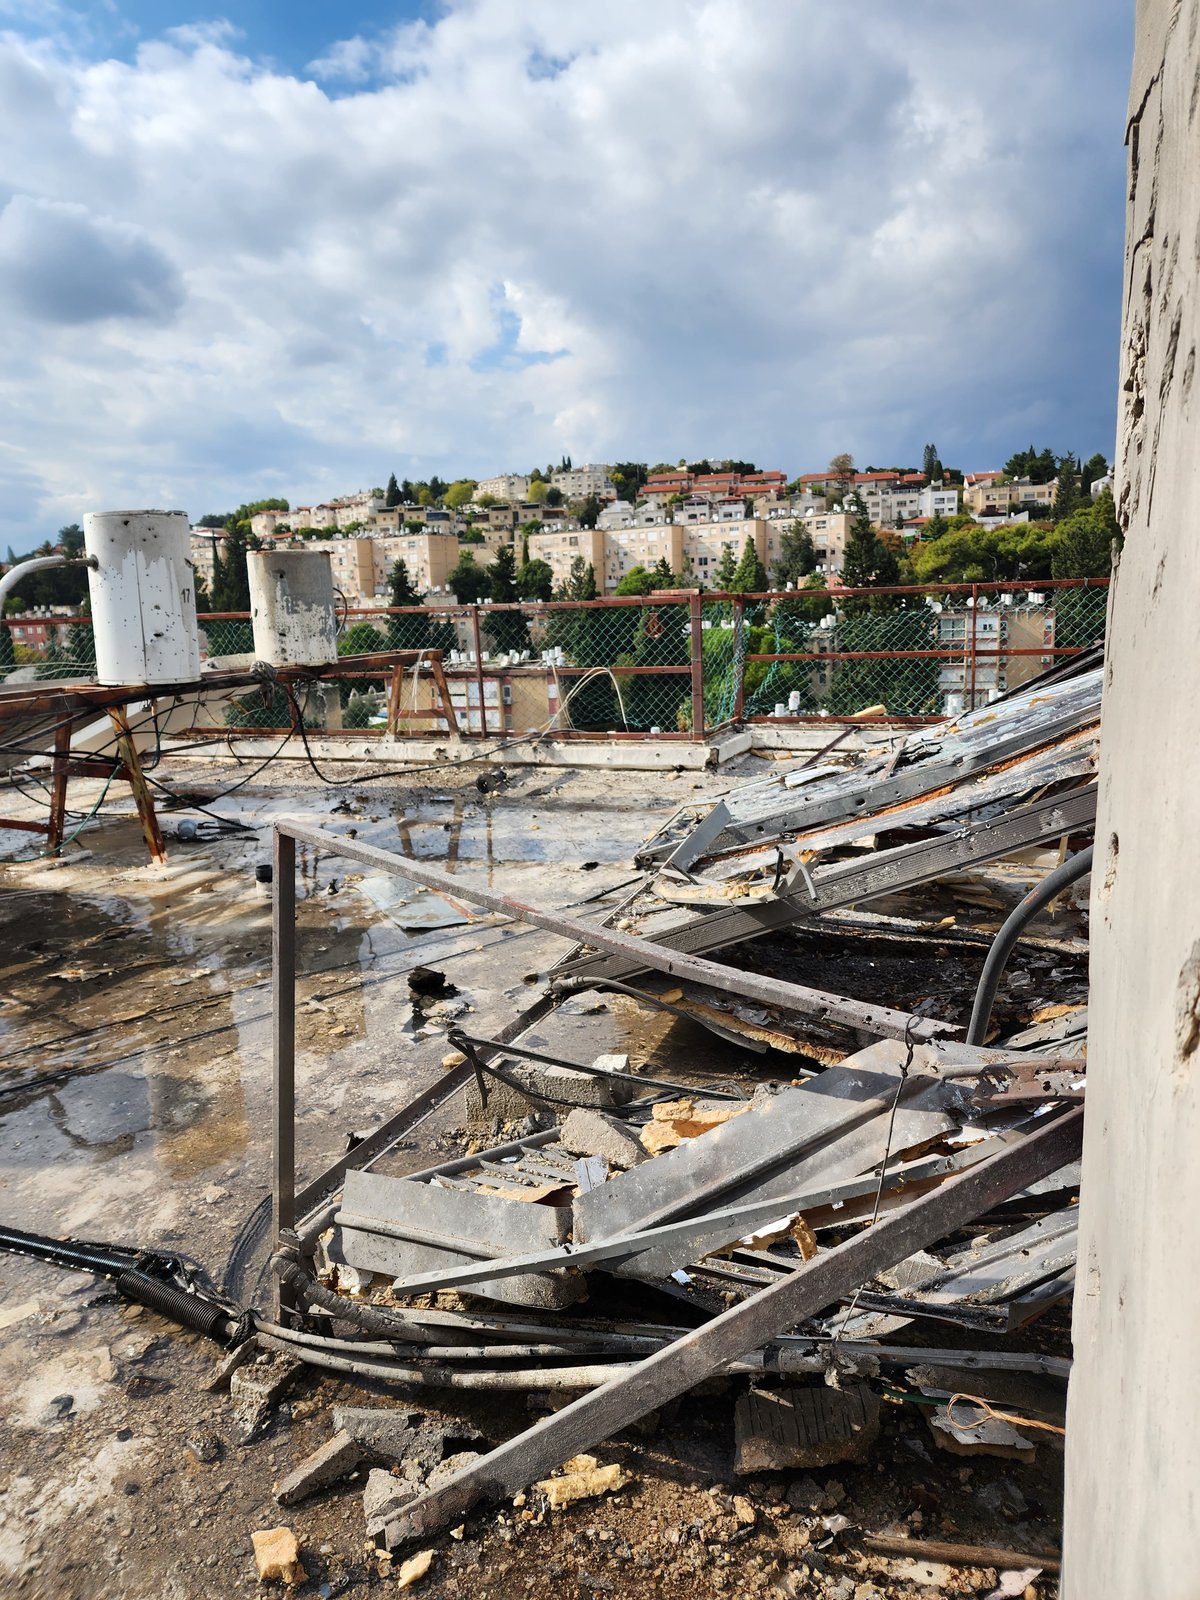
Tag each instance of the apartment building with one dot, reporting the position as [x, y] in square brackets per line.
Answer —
[704, 543]
[829, 531]
[644, 546]
[507, 486]
[981, 633]
[559, 547]
[988, 497]
[892, 506]
[577, 483]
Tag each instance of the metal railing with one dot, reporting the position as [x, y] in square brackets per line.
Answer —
[674, 664]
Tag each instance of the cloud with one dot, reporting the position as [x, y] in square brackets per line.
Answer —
[766, 228]
[60, 264]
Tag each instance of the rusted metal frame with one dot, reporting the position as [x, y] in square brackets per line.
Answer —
[670, 1372]
[623, 672]
[804, 719]
[973, 644]
[21, 826]
[882, 1021]
[696, 650]
[740, 657]
[283, 1044]
[478, 641]
[143, 799]
[917, 863]
[55, 828]
[437, 668]
[862, 882]
[822, 657]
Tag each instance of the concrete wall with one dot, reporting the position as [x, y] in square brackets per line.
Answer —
[1133, 1440]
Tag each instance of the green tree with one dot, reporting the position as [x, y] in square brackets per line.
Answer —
[401, 590]
[841, 472]
[507, 629]
[1039, 466]
[931, 466]
[231, 584]
[468, 581]
[554, 496]
[906, 686]
[459, 493]
[1093, 468]
[628, 478]
[391, 495]
[539, 492]
[1067, 496]
[636, 581]
[70, 540]
[663, 575]
[361, 639]
[535, 580]
[1085, 539]
[724, 571]
[797, 555]
[867, 563]
[750, 576]
[587, 513]
[935, 527]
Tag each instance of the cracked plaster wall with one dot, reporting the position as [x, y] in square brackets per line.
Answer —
[1133, 1450]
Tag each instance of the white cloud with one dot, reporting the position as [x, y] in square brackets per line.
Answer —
[775, 227]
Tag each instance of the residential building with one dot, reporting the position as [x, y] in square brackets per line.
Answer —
[829, 531]
[616, 514]
[1100, 484]
[577, 483]
[351, 508]
[894, 505]
[990, 497]
[559, 547]
[704, 544]
[722, 485]
[264, 523]
[967, 683]
[643, 546]
[508, 486]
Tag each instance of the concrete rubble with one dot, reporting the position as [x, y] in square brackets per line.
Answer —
[859, 1206]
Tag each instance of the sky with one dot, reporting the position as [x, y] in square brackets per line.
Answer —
[287, 249]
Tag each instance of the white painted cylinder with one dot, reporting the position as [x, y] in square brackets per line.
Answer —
[143, 595]
[292, 607]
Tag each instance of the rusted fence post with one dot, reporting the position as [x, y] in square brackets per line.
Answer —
[696, 612]
[475, 634]
[739, 657]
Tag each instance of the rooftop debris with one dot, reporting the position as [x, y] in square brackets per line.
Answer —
[794, 1229]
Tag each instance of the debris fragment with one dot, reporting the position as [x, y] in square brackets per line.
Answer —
[673, 1121]
[582, 1479]
[414, 1569]
[277, 1556]
[336, 1459]
[591, 1133]
[809, 1425]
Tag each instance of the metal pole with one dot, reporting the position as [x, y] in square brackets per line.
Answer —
[696, 613]
[483, 728]
[283, 1041]
[58, 784]
[739, 656]
[974, 641]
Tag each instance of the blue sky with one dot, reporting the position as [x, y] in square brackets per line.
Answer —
[290, 249]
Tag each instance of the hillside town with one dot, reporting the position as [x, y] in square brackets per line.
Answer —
[580, 532]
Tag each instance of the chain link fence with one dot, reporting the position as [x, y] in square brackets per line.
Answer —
[672, 664]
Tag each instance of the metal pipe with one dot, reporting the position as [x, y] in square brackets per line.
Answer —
[36, 564]
[1065, 874]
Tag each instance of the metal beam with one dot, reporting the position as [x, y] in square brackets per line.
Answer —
[858, 882]
[681, 1365]
[881, 1021]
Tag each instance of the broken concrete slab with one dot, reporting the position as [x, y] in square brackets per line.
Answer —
[804, 1425]
[536, 1087]
[582, 1478]
[384, 1495]
[399, 1227]
[335, 1460]
[256, 1389]
[591, 1133]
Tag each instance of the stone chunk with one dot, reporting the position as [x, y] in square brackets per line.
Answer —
[582, 1478]
[383, 1497]
[277, 1557]
[804, 1426]
[335, 1460]
[591, 1133]
[257, 1387]
[414, 1569]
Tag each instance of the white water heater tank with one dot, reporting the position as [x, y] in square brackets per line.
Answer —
[292, 608]
[143, 593]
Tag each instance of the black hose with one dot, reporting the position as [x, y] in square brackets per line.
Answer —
[1065, 874]
[188, 1310]
[106, 1260]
